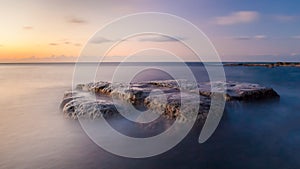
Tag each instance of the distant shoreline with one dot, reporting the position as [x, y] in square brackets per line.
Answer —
[248, 64]
[269, 65]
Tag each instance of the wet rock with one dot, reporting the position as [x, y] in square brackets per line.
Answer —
[237, 91]
[89, 108]
[80, 103]
[169, 98]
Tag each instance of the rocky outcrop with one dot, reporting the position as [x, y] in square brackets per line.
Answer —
[165, 97]
[270, 65]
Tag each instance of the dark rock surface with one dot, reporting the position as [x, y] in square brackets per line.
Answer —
[270, 65]
[93, 100]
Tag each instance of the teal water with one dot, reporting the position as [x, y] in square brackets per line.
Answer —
[35, 134]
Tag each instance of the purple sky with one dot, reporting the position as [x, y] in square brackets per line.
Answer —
[57, 30]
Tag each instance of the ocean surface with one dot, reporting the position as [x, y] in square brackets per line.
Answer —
[251, 135]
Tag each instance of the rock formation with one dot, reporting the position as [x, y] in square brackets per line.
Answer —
[165, 97]
[270, 65]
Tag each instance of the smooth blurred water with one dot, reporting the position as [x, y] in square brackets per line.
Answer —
[35, 134]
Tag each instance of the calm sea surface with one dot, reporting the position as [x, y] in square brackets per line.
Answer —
[35, 134]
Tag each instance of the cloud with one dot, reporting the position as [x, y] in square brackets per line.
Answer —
[27, 27]
[237, 17]
[285, 18]
[77, 20]
[66, 42]
[53, 44]
[294, 54]
[99, 40]
[296, 37]
[145, 38]
[242, 38]
[256, 37]
[260, 37]
[159, 39]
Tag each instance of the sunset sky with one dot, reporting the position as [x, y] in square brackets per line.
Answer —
[56, 30]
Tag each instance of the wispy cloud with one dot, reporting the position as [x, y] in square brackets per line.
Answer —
[237, 17]
[260, 37]
[145, 38]
[64, 43]
[53, 44]
[77, 44]
[76, 20]
[27, 27]
[295, 54]
[285, 18]
[241, 38]
[296, 37]
[159, 39]
[99, 40]
[256, 37]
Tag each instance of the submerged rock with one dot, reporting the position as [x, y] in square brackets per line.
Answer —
[165, 97]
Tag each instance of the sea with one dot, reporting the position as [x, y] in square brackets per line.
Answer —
[35, 134]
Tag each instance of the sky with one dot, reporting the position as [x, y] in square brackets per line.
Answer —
[57, 30]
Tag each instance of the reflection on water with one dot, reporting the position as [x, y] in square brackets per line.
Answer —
[34, 133]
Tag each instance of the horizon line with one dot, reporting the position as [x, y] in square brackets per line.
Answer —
[115, 62]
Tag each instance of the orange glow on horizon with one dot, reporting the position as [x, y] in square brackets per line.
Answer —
[30, 52]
